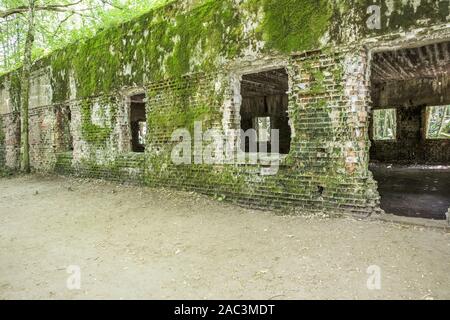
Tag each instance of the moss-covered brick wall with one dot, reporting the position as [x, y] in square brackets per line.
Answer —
[184, 57]
[327, 168]
[42, 121]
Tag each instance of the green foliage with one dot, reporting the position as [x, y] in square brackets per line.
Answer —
[438, 126]
[55, 30]
[385, 124]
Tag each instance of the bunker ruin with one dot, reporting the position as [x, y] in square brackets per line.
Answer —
[317, 71]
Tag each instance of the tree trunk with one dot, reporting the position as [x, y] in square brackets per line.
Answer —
[25, 91]
[386, 124]
[442, 123]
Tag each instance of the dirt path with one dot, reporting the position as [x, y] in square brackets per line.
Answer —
[132, 242]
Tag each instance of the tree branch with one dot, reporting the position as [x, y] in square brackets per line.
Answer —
[112, 4]
[6, 13]
[52, 7]
[56, 7]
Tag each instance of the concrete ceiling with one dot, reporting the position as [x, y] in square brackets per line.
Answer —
[428, 61]
[273, 82]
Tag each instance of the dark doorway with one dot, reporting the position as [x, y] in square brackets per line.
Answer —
[410, 150]
[138, 123]
[63, 133]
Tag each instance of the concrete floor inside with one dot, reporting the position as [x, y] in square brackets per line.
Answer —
[411, 82]
[414, 191]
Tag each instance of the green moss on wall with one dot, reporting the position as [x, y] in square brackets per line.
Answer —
[406, 15]
[93, 133]
[179, 116]
[166, 43]
[352, 15]
[181, 110]
[318, 78]
[63, 163]
[292, 25]
[13, 82]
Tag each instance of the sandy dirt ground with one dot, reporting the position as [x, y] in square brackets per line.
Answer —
[139, 243]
